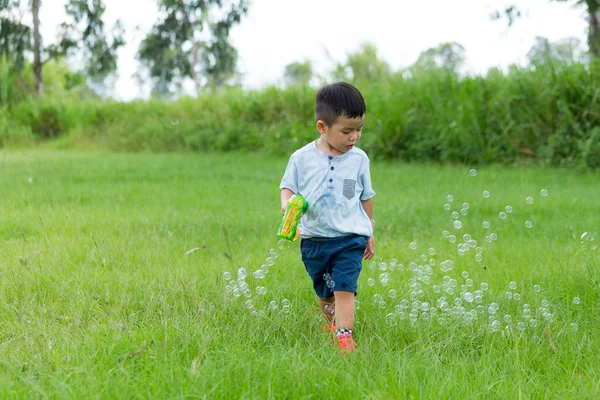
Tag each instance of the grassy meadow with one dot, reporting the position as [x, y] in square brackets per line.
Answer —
[113, 283]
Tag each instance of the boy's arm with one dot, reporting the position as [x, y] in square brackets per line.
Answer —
[370, 250]
[286, 194]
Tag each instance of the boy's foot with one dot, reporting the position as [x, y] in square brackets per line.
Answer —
[346, 343]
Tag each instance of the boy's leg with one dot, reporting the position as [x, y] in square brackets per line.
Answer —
[344, 309]
[328, 309]
[346, 270]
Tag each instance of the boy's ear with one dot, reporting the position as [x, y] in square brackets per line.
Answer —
[321, 126]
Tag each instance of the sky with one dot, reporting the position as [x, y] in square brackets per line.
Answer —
[278, 32]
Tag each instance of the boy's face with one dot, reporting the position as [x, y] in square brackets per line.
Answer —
[340, 137]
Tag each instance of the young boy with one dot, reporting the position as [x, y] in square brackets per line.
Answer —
[337, 230]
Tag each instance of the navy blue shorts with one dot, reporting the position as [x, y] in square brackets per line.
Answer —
[333, 263]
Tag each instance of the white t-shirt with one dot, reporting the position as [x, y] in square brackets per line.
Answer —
[333, 186]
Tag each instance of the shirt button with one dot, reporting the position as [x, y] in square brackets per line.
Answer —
[332, 168]
[331, 158]
[331, 180]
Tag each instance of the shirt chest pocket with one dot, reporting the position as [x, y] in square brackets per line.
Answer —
[349, 190]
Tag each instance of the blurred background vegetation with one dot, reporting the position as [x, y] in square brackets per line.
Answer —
[546, 112]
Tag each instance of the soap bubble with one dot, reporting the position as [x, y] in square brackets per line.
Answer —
[574, 327]
[261, 290]
[544, 192]
[484, 286]
[447, 207]
[576, 300]
[486, 194]
[242, 273]
[227, 275]
[413, 245]
[537, 288]
[273, 305]
[473, 172]
[450, 198]
[509, 209]
[533, 323]
[392, 293]
[485, 224]
[465, 206]
[259, 274]
[371, 282]
[457, 224]
[431, 251]
[270, 261]
[494, 236]
[465, 274]
[528, 224]
[502, 215]
[529, 200]
[455, 215]
[512, 285]
[174, 121]
[452, 238]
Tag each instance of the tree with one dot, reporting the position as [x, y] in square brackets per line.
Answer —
[566, 50]
[298, 73]
[363, 65]
[448, 56]
[84, 34]
[15, 36]
[37, 44]
[191, 41]
[87, 35]
[592, 7]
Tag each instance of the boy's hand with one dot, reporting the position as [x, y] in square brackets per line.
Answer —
[284, 207]
[370, 250]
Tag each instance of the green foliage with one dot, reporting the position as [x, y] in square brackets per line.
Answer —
[562, 51]
[364, 65]
[547, 114]
[177, 47]
[100, 55]
[448, 56]
[15, 37]
[298, 73]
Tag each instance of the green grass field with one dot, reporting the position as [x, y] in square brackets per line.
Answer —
[98, 298]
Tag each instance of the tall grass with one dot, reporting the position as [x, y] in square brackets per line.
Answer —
[548, 114]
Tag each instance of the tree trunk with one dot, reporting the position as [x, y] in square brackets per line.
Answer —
[37, 39]
[594, 35]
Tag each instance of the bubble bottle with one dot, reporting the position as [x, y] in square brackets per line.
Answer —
[288, 229]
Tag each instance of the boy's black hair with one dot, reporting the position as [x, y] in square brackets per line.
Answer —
[339, 99]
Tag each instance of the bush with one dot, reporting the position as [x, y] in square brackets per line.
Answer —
[548, 114]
